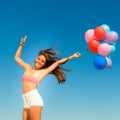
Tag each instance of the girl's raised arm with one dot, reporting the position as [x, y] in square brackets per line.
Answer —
[17, 56]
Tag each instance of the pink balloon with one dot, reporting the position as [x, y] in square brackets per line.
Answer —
[111, 37]
[109, 62]
[90, 35]
[104, 49]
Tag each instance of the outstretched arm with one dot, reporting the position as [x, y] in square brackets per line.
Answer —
[62, 61]
[18, 54]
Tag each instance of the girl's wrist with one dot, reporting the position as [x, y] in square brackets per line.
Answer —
[21, 45]
[70, 57]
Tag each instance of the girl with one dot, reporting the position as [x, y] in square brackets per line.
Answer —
[47, 62]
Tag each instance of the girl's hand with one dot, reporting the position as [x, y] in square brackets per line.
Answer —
[23, 40]
[76, 55]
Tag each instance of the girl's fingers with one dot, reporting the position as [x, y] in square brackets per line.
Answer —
[25, 37]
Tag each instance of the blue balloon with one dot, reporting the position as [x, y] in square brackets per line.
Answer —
[100, 62]
[113, 48]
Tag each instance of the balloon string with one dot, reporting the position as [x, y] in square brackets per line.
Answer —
[85, 52]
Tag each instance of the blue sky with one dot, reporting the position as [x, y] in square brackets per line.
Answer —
[88, 94]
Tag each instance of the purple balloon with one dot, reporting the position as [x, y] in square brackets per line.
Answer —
[109, 62]
[111, 37]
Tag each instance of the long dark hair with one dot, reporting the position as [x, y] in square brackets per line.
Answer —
[52, 56]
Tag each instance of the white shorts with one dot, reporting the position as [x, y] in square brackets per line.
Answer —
[32, 98]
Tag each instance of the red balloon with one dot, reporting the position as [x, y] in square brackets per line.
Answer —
[99, 32]
[93, 46]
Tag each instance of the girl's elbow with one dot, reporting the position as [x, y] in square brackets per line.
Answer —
[16, 58]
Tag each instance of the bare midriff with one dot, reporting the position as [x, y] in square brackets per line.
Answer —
[28, 86]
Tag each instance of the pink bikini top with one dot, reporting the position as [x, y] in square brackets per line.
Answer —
[30, 78]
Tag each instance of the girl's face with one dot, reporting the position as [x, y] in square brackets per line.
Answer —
[39, 62]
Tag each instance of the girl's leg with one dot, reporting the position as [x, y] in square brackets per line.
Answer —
[26, 114]
[35, 112]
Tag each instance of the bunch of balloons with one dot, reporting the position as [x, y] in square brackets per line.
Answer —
[101, 41]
